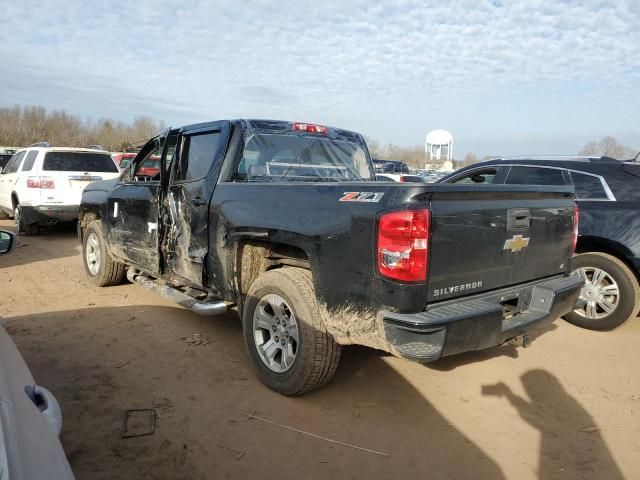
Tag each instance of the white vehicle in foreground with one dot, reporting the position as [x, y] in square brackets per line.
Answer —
[42, 185]
[30, 417]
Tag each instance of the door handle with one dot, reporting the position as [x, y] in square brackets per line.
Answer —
[198, 201]
[518, 219]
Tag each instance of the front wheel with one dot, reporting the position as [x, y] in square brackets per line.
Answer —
[100, 266]
[288, 343]
[610, 296]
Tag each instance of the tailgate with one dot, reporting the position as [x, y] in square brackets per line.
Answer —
[487, 237]
[68, 186]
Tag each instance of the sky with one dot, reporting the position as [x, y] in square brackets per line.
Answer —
[505, 77]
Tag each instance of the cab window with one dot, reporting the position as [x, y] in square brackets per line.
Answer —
[588, 187]
[535, 176]
[482, 177]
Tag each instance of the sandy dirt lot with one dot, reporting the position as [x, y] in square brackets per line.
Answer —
[568, 407]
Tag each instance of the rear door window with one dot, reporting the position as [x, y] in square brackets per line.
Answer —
[197, 155]
[28, 162]
[14, 163]
[535, 176]
[588, 187]
[481, 177]
[79, 162]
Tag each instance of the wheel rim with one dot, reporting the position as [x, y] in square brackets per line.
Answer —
[600, 295]
[275, 331]
[16, 217]
[92, 253]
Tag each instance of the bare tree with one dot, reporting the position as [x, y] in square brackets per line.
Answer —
[21, 126]
[608, 147]
[469, 159]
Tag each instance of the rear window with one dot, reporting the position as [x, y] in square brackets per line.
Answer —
[79, 162]
[588, 187]
[277, 157]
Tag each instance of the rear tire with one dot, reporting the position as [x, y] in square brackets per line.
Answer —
[611, 285]
[21, 226]
[316, 354]
[101, 268]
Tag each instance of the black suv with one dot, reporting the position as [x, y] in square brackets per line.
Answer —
[608, 194]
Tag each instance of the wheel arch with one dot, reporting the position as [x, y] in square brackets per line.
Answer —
[587, 244]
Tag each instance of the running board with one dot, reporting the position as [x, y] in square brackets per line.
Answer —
[177, 296]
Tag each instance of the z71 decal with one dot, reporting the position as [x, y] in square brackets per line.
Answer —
[362, 196]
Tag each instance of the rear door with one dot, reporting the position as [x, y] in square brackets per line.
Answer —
[195, 171]
[487, 237]
[70, 172]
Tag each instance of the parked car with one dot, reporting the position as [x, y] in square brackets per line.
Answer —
[30, 416]
[42, 185]
[286, 221]
[391, 169]
[402, 178]
[151, 169]
[608, 194]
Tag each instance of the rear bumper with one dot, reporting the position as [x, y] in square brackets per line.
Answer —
[480, 322]
[45, 213]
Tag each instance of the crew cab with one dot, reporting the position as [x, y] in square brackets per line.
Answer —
[608, 195]
[42, 185]
[286, 221]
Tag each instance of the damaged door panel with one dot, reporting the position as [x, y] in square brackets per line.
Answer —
[187, 204]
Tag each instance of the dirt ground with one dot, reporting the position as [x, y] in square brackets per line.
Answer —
[568, 407]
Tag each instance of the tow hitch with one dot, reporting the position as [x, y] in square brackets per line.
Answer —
[523, 341]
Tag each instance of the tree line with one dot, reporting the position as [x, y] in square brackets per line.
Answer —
[23, 125]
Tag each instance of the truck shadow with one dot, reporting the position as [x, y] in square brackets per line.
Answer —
[101, 361]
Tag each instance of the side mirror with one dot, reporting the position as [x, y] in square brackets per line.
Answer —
[7, 242]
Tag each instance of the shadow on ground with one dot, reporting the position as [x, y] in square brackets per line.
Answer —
[35, 248]
[101, 361]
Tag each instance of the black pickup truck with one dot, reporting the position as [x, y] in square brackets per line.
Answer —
[286, 222]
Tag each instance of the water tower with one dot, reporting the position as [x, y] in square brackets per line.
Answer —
[439, 150]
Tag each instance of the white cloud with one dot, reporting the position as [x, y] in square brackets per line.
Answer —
[392, 69]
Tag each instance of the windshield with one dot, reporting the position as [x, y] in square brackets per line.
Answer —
[278, 157]
[79, 162]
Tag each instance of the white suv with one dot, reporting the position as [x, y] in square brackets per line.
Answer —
[42, 185]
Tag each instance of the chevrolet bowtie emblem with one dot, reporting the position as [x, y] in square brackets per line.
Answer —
[516, 243]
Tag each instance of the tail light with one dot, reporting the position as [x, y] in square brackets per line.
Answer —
[402, 245]
[40, 182]
[574, 239]
[309, 127]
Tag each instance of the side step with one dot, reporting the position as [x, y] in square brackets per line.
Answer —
[177, 296]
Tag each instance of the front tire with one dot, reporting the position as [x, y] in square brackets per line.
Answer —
[101, 268]
[289, 345]
[610, 296]
[21, 226]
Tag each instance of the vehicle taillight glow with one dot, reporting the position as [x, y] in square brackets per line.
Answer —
[40, 182]
[309, 127]
[402, 245]
[574, 239]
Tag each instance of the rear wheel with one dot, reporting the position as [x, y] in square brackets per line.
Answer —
[100, 266]
[21, 226]
[287, 341]
[610, 296]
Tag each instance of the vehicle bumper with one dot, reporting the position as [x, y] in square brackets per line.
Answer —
[47, 213]
[484, 321]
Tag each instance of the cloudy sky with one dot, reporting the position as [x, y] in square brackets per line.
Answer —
[534, 76]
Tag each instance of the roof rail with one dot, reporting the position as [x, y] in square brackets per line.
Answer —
[95, 147]
[41, 144]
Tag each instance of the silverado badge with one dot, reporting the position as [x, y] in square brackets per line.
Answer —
[516, 243]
